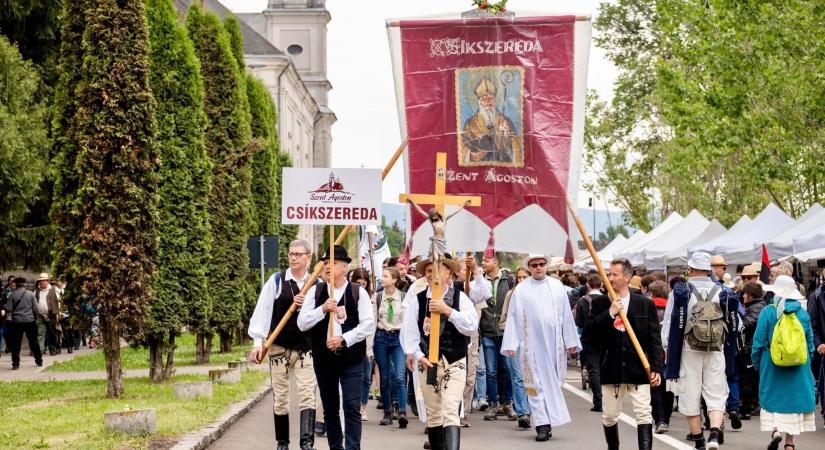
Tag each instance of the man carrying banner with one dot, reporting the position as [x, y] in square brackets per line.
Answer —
[290, 357]
[338, 360]
[442, 399]
[540, 322]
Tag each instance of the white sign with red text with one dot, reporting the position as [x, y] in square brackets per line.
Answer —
[323, 196]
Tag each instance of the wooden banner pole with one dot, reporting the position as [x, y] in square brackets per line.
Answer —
[331, 277]
[610, 291]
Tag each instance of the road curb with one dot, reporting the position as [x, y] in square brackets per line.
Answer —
[202, 438]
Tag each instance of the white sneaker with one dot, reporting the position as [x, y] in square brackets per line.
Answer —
[483, 405]
[474, 405]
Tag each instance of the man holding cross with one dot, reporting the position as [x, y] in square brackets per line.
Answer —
[443, 394]
[338, 356]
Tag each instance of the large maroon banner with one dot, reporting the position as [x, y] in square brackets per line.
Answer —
[497, 95]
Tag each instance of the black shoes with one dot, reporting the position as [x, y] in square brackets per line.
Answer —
[402, 419]
[543, 433]
[524, 421]
[320, 428]
[645, 436]
[596, 408]
[735, 421]
[715, 439]
[387, 419]
[611, 436]
[282, 431]
[307, 438]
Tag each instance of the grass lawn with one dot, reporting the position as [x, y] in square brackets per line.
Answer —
[69, 414]
[138, 357]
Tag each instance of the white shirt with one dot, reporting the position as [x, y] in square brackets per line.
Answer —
[261, 319]
[625, 304]
[309, 317]
[465, 320]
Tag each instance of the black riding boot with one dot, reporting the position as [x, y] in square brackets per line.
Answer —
[645, 434]
[307, 432]
[436, 437]
[452, 437]
[544, 433]
[282, 431]
[611, 435]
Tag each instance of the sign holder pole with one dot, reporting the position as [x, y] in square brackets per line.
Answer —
[331, 277]
[320, 266]
[372, 261]
[263, 271]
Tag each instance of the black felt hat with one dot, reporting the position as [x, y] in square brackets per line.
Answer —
[340, 254]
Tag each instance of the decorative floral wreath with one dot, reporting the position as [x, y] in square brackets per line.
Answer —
[494, 8]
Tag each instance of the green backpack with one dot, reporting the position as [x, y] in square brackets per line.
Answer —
[706, 329]
[788, 345]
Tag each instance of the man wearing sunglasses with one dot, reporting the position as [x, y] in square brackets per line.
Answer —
[540, 324]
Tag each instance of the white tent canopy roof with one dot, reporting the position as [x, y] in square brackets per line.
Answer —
[606, 254]
[675, 242]
[769, 223]
[782, 245]
[678, 256]
[634, 251]
[708, 246]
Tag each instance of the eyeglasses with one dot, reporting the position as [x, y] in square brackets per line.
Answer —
[537, 265]
[296, 255]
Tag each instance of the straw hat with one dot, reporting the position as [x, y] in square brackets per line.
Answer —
[422, 266]
[43, 277]
[784, 287]
[717, 260]
[526, 261]
[635, 282]
[749, 271]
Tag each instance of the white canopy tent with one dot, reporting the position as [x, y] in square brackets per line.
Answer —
[674, 243]
[769, 223]
[677, 257]
[782, 245]
[810, 247]
[739, 227]
[636, 251]
[586, 263]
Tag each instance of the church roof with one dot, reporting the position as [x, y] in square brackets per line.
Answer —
[253, 43]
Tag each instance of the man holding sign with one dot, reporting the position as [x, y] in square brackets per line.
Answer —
[443, 396]
[338, 358]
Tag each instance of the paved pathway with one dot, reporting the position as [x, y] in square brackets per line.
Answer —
[255, 431]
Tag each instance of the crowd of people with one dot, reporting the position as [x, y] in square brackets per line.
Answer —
[710, 341]
[37, 313]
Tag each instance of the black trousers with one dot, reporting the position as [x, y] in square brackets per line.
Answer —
[330, 375]
[591, 361]
[748, 382]
[661, 401]
[18, 330]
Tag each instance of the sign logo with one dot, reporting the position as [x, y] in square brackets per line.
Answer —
[331, 192]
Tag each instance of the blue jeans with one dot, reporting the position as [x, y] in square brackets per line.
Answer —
[392, 369]
[520, 403]
[481, 377]
[367, 381]
[350, 377]
[497, 373]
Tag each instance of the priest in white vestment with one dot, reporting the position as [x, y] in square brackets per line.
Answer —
[540, 323]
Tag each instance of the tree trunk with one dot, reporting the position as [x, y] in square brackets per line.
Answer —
[226, 342]
[155, 359]
[200, 349]
[110, 337]
[169, 368]
[208, 350]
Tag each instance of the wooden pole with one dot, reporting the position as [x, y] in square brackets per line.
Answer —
[320, 266]
[467, 276]
[331, 277]
[610, 292]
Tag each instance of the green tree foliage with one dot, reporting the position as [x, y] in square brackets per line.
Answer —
[23, 146]
[117, 173]
[65, 210]
[286, 233]
[717, 107]
[612, 231]
[228, 145]
[34, 26]
[179, 283]
[395, 237]
[265, 161]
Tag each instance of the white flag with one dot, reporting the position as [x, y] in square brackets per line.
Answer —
[380, 249]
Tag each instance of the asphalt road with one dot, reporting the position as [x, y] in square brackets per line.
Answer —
[255, 431]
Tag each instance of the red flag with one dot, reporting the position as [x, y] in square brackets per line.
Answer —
[765, 271]
[490, 251]
[405, 257]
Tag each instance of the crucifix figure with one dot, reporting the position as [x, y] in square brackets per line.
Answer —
[438, 242]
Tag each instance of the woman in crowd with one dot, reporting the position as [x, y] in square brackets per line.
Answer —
[748, 373]
[782, 413]
[362, 277]
[389, 315]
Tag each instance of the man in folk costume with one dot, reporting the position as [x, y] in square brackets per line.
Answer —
[621, 371]
[338, 360]
[290, 357]
[540, 324]
[458, 322]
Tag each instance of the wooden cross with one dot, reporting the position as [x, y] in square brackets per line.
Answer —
[439, 200]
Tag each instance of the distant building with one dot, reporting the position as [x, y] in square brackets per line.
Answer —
[296, 78]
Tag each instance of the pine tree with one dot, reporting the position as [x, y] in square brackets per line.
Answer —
[229, 146]
[265, 162]
[286, 233]
[117, 172]
[179, 283]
